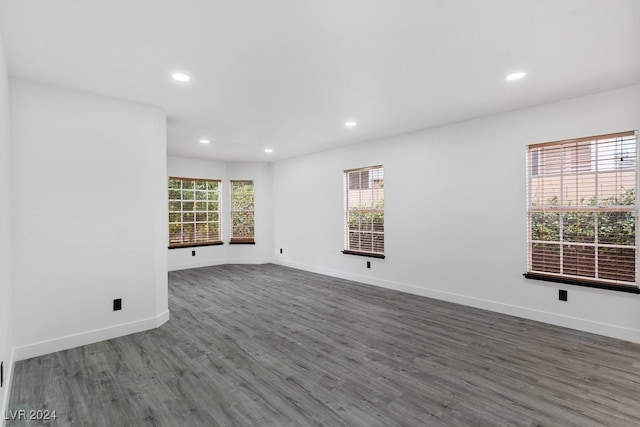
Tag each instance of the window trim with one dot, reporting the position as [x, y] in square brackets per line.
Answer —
[581, 282]
[366, 254]
[599, 283]
[241, 240]
[195, 245]
[203, 243]
[347, 187]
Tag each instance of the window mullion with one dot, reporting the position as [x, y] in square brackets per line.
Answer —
[596, 222]
[561, 214]
[635, 213]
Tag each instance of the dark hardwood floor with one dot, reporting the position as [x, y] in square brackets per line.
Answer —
[264, 345]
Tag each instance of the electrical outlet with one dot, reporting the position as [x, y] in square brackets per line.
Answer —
[562, 295]
[280, 250]
[368, 264]
[117, 304]
[193, 253]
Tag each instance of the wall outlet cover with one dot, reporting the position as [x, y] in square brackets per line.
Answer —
[562, 295]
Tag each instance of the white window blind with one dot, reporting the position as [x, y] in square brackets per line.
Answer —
[582, 210]
[242, 212]
[364, 211]
[194, 212]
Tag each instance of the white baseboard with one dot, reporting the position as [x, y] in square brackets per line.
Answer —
[197, 264]
[8, 377]
[224, 261]
[90, 337]
[580, 324]
[247, 261]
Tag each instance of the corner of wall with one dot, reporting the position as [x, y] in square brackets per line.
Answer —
[7, 349]
[85, 338]
[65, 309]
[160, 210]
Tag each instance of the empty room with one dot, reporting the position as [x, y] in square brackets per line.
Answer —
[319, 213]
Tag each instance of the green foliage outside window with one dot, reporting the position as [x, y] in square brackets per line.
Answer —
[242, 210]
[614, 227]
[366, 229]
[193, 212]
[566, 230]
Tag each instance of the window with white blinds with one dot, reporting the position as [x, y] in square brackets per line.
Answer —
[242, 212]
[364, 211]
[582, 211]
[194, 212]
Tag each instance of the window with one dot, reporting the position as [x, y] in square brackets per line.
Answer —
[194, 212]
[364, 211]
[242, 212]
[582, 211]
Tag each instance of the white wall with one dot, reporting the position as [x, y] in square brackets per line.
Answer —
[6, 308]
[89, 209]
[260, 173]
[454, 213]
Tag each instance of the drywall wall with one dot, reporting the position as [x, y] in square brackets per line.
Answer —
[89, 209]
[455, 213]
[260, 173]
[6, 307]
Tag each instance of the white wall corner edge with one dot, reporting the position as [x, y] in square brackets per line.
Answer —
[8, 372]
[90, 337]
[584, 325]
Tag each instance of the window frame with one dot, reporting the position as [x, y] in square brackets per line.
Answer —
[195, 241]
[356, 186]
[242, 240]
[578, 166]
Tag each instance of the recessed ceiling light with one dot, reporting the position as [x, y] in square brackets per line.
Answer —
[516, 76]
[350, 124]
[204, 141]
[180, 77]
[268, 150]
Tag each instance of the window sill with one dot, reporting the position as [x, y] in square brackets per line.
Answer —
[242, 242]
[583, 282]
[195, 245]
[367, 254]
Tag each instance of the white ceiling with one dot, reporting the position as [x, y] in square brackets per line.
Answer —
[287, 74]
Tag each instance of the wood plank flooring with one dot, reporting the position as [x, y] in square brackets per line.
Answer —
[265, 345]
